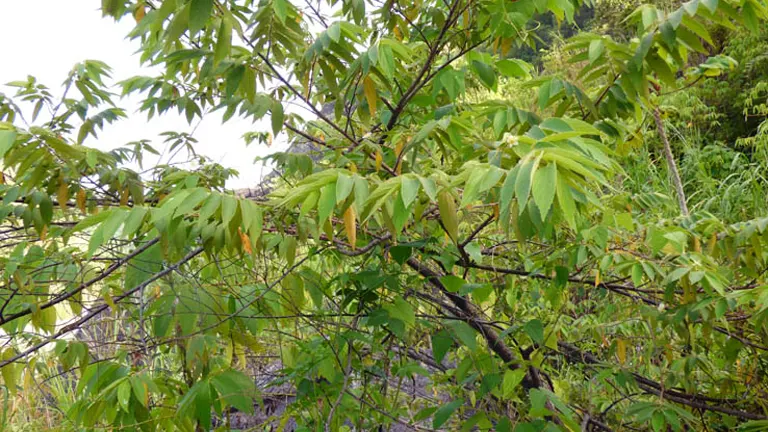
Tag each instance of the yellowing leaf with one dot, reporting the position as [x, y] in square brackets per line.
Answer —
[62, 195]
[621, 350]
[246, 241]
[124, 197]
[369, 89]
[448, 214]
[350, 225]
[139, 13]
[81, 201]
[379, 160]
[10, 372]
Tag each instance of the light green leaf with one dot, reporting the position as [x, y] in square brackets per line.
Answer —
[512, 379]
[223, 42]
[596, 49]
[544, 186]
[281, 9]
[199, 12]
[277, 117]
[523, 182]
[452, 283]
[7, 137]
[403, 311]
[124, 395]
[344, 185]
[409, 189]
[326, 203]
[565, 199]
[444, 413]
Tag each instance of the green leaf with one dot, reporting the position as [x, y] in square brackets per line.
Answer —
[565, 199]
[140, 390]
[281, 9]
[334, 31]
[512, 379]
[535, 329]
[223, 42]
[544, 186]
[7, 138]
[441, 343]
[452, 283]
[199, 12]
[235, 388]
[523, 182]
[485, 72]
[403, 311]
[143, 266]
[326, 203]
[46, 209]
[444, 412]
[409, 189]
[277, 117]
[596, 49]
[400, 253]
[344, 185]
[514, 68]
[464, 333]
[124, 395]
[228, 209]
[710, 4]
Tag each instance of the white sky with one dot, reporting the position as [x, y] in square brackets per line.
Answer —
[45, 38]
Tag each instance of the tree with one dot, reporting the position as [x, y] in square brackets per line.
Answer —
[484, 243]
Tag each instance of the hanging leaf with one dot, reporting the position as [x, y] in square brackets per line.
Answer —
[369, 89]
[448, 214]
[350, 226]
[544, 186]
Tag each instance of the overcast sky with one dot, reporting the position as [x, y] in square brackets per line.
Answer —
[45, 38]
